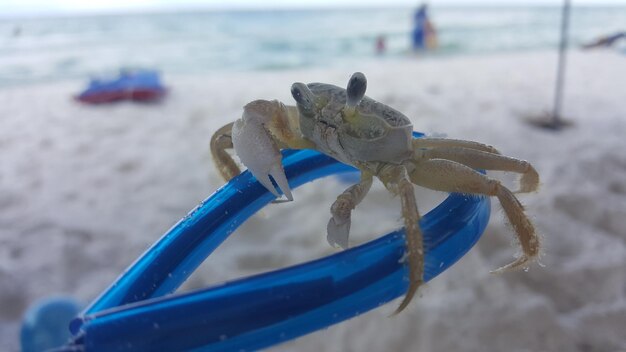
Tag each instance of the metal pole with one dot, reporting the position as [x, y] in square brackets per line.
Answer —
[558, 94]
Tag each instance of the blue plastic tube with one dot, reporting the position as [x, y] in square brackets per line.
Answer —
[135, 314]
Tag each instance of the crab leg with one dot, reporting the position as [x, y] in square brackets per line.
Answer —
[220, 141]
[338, 227]
[430, 142]
[414, 241]
[478, 159]
[450, 176]
[396, 179]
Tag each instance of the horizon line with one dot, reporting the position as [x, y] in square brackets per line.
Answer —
[173, 9]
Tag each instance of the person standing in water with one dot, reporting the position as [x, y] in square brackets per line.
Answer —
[424, 36]
[380, 45]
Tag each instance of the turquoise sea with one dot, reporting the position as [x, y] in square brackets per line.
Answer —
[55, 48]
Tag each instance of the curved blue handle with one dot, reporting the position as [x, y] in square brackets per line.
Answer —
[256, 312]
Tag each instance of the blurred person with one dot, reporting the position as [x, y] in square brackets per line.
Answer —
[424, 36]
[381, 45]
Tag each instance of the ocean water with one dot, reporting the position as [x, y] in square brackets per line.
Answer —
[56, 48]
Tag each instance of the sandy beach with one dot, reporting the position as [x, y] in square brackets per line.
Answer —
[85, 190]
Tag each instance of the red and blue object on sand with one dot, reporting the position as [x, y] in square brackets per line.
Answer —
[136, 85]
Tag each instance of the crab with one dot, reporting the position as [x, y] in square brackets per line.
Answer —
[377, 140]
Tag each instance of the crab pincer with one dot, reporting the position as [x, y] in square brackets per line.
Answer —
[258, 151]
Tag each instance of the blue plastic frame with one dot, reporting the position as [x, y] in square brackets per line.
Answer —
[137, 312]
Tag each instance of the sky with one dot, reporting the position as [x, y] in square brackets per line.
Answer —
[43, 7]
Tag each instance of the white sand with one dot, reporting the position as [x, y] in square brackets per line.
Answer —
[84, 190]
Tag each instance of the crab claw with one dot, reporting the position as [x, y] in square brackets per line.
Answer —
[258, 151]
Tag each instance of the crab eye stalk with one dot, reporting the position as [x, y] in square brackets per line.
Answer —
[356, 90]
[303, 96]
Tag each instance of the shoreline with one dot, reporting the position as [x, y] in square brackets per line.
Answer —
[408, 58]
[374, 62]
